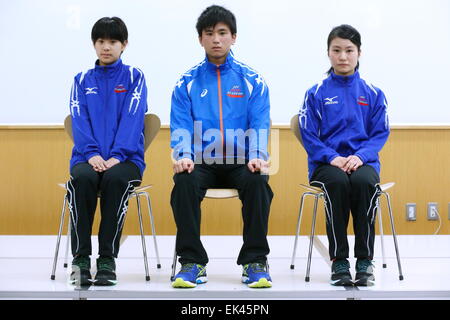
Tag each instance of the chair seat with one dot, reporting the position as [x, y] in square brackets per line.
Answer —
[137, 189]
[386, 186]
[311, 188]
[221, 193]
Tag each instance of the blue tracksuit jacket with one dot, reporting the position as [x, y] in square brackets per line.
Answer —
[342, 116]
[108, 105]
[213, 108]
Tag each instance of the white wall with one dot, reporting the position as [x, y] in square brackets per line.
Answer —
[405, 44]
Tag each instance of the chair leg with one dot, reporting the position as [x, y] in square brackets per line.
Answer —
[299, 219]
[69, 231]
[61, 223]
[144, 247]
[174, 265]
[311, 239]
[380, 220]
[394, 236]
[152, 224]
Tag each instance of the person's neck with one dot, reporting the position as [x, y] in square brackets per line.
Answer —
[216, 61]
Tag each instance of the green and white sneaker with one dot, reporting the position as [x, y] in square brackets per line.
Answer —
[106, 272]
[364, 273]
[81, 271]
[340, 273]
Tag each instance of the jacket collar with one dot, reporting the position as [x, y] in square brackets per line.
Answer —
[109, 70]
[345, 80]
[223, 67]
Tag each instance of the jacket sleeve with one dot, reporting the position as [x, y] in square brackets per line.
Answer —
[131, 123]
[83, 137]
[378, 131]
[181, 122]
[309, 123]
[259, 119]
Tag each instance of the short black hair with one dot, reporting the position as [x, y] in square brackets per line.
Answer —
[214, 15]
[109, 28]
[344, 31]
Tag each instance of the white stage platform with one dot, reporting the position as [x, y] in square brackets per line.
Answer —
[26, 263]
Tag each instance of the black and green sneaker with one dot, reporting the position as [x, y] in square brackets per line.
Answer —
[340, 273]
[81, 271]
[364, 273]
[106, 272]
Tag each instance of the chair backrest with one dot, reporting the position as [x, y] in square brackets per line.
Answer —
[152, 124]
[296, 129]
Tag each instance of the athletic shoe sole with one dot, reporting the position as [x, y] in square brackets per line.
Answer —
[365, 282]
[261, 283]
[82, 283]
[104, 282]
[342, 282]
[180, 283]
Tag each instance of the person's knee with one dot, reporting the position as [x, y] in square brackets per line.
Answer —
[255, 181]
[363, 179]
[83, 177]
[339, 180]
[184, 179]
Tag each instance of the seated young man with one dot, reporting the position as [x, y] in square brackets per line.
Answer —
[220, 119]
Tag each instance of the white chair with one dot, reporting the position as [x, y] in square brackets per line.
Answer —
[152, 125]
[210, 194]
[317, 193]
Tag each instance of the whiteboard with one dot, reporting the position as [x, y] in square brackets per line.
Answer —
[405, 51]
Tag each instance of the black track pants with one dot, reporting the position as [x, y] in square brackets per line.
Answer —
[114, 186]
[345, 193]
[188, 193]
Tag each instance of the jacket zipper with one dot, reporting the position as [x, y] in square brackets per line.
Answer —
[219, 92]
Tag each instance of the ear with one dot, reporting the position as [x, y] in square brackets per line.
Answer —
[234, 36]
[200, 40]
[124, 45]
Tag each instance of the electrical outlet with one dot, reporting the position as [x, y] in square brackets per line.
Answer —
[432, 211]
[411, 211]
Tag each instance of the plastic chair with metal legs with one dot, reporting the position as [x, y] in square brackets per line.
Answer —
[152, 125]
[318, 193]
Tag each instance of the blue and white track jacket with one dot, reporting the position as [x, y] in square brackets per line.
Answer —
[342, 116]
[216, 106]
[108, 105]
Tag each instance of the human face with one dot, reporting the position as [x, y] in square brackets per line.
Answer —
[344, 56]
[217, 42]
[108, 50]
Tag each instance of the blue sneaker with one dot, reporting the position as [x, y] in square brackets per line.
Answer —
[190, 275]
[256, 275]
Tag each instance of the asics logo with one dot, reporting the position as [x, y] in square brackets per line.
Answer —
[91, 90]
[331, 100]
[204, 93]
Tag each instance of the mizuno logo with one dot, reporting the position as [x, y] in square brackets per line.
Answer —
[204, 93]
[91, 90]
[331, 100]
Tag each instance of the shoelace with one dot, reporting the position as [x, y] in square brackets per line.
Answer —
[81, 262]
[363, 265]
[105, 264]
[256, 267]
[341, 266]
